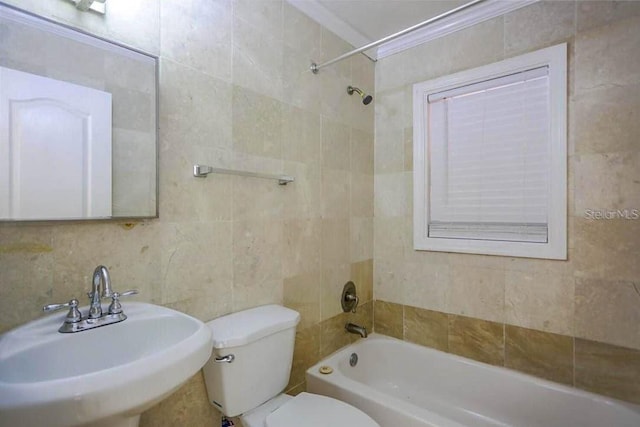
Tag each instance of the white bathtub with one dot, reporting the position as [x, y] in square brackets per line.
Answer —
[400, 384]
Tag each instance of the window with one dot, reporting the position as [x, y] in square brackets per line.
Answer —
[490, 158]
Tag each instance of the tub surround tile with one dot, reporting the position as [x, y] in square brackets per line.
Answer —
[408, 149]
[390, 111]
[302, 88]
[541, 354]
[363, 317]
[390, 73]
[303, 201]
[332, 46]
[608, 311]
[604, 249]
[522, 30]
[427, 328]
[362, 195]
[392, 198]
[300, 33]
[477, 292]
[333, 336]
[607, 369]
[594, 112]
[597, 174]
[541, 302]
[336, 268]
[361, 151]
[599, 64]
[589, 365]
[362, 277]
[388, 151]
[426, 284]
[335, 145]
[361, 244]
[302, 294]
[475, 46]
[388, 318]
[594, 14]
[334, 103]
[336, 195]
[540, 299]
[301, 138]
[334, 278]
[477, 339]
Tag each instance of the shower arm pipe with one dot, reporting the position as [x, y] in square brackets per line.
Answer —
[317, 67]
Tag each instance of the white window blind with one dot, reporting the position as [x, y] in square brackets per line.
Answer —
[489, 159]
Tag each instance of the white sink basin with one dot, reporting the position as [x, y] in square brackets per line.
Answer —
[104, 376]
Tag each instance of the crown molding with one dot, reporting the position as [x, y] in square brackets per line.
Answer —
[316, 11]
[474, 15]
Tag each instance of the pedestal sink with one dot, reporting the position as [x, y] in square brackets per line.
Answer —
[101, 377]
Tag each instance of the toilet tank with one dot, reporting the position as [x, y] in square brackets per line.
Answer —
[261, 341]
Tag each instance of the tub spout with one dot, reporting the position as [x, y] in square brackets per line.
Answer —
[356, 329]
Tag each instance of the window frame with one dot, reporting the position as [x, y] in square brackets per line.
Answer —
[555, 58]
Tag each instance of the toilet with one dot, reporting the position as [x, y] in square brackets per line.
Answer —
[249, 369]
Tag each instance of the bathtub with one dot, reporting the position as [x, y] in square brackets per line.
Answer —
[400, 384]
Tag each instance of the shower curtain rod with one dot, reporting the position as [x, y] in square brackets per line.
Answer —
[316, 67]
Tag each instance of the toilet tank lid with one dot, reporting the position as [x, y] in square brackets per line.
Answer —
[250, 325]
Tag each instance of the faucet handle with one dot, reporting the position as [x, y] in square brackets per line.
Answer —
[73, 316]
[115, 307]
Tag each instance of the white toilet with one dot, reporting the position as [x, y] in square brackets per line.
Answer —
[250, 366]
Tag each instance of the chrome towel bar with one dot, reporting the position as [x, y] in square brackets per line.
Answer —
[201, 171]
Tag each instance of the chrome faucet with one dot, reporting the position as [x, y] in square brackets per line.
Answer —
[356, 329]
[101, 287]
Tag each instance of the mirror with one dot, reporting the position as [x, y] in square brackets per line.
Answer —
[78, 124]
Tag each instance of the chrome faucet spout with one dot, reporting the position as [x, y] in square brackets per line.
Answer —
[356, 329]
[100, 286]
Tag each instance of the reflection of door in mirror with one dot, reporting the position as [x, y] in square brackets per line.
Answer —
[55, 149]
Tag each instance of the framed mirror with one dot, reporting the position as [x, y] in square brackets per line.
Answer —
[78, 124]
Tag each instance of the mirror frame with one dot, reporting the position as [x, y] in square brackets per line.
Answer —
[81, 35]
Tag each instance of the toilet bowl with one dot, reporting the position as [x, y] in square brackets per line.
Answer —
[308, 410]
[250, 367]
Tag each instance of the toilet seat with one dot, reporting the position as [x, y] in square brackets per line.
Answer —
[312, 410]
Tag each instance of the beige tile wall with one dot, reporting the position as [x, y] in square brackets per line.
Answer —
[235, 91]
[590, 296]
[522, 313]
[589, 365]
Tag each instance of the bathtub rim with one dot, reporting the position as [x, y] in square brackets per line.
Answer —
[547, 384]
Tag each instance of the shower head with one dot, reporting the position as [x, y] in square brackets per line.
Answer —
[366, 99]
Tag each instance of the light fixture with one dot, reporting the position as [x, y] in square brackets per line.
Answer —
[91, 5]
